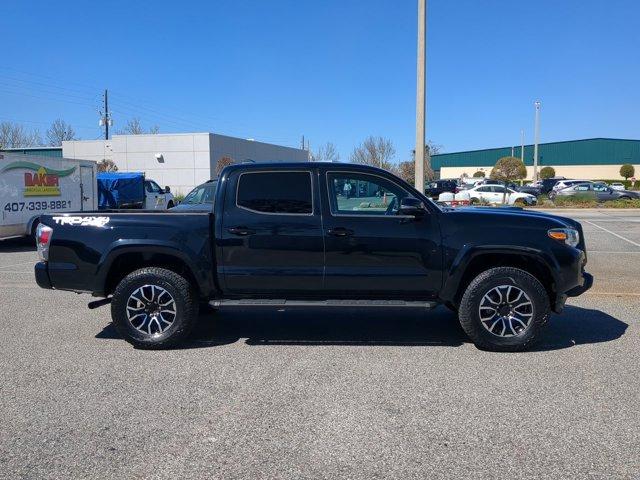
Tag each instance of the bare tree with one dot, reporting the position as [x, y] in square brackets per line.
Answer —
[407, 170]
[327, 153]
[107, 165]
[14, 135]
[222, 163]
[375, 151]
[134, 127]
[59, 132]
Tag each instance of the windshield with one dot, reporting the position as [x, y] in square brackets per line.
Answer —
[201, 194]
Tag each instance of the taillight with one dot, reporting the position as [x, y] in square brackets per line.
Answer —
[43, 239]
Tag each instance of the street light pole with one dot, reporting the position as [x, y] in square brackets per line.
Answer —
[522, 145]
[536, 140]
[420, 96]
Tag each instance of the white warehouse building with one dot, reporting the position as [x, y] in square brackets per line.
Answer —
[179, 160]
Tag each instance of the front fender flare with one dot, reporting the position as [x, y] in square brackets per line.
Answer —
[457, 269]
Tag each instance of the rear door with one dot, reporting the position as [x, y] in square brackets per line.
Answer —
[271, 235]
[371, 251]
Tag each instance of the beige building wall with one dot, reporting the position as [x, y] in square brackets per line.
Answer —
[586, 172]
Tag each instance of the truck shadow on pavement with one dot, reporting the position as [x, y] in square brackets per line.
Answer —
[17, 245]
[370, 327]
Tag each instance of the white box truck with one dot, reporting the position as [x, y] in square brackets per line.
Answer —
[31, 185]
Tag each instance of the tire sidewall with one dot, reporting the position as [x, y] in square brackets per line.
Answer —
[179, 327]
[481, 286]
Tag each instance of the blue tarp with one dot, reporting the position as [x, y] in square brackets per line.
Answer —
[120, 190]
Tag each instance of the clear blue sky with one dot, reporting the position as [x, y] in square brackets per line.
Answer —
[334, 70]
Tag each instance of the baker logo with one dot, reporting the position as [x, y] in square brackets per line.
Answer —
[40, 181]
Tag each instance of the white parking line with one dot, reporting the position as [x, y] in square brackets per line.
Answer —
[614, 234]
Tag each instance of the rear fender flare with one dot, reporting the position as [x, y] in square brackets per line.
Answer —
[147, 247]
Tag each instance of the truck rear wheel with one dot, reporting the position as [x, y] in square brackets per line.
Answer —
[504, 309]
[154, 308]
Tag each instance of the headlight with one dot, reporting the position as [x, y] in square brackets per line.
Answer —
[569, 236]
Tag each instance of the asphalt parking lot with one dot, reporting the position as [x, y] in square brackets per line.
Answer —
[343, 393]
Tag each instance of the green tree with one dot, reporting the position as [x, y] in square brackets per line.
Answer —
[508, 169]
[547, 172]
[479, 174]
[627, 171]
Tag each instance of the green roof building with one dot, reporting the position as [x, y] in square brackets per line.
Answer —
[593, 158]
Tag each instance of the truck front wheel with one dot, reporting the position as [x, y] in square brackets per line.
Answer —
[504, 309]
[154, 308]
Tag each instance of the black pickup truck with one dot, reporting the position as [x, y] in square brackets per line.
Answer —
[292, 234]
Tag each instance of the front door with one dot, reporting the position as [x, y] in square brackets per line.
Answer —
[271, 234]
[604, 192]
[370, 250]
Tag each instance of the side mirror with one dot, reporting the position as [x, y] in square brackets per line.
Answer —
[167, 189]
[412, 207]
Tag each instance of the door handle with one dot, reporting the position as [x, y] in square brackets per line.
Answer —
[241, 231]
[340, 232]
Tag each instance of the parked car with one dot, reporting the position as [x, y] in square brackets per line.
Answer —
[562, 184]
[514, 186]
[617, 186]
[599, 191]
[281, 234]
[434, 189]
[496, 194]
[200, 198]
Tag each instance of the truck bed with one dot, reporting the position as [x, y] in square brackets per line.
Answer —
[85, 245]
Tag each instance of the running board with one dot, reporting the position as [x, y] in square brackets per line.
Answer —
[259, 302]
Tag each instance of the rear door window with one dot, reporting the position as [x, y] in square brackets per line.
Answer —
[287, 193]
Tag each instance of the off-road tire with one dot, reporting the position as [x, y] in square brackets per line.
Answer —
[179, 288]
[469, 316]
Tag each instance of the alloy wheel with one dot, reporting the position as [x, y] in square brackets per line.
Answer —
[151, 309]
[506, 311]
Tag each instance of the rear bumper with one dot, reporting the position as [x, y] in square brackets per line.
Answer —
[42, 275]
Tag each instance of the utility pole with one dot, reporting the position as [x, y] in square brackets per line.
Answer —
[420, 95]
[522, 145]
[302, 142]
[536, 140]
[105, 118]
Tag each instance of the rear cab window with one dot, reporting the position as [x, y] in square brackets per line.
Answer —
[276, 192]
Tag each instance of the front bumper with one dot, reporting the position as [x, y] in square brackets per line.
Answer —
[587, 283]
[42, 275]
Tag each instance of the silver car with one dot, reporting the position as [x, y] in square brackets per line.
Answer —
[599, 191]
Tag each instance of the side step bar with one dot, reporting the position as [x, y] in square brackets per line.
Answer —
[258, 302]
